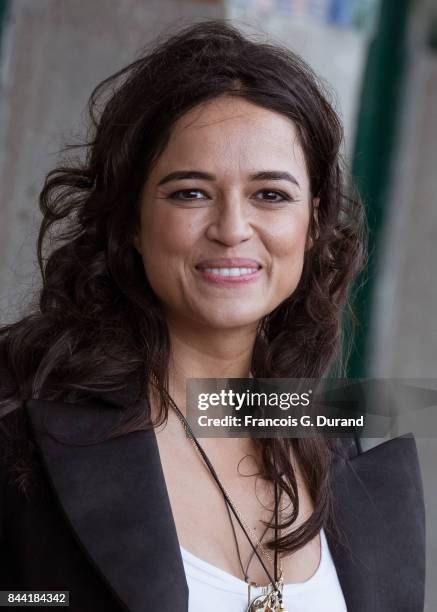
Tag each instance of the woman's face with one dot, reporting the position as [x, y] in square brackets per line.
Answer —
[225, 215]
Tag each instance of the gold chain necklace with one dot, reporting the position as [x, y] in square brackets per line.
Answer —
[269, 601]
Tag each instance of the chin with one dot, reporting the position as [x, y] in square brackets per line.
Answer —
[230, 320]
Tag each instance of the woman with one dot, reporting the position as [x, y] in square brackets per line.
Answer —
[205, 235]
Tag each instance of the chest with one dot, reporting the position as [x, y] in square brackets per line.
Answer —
[203, 523]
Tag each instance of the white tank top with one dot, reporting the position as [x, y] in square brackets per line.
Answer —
[213, 589]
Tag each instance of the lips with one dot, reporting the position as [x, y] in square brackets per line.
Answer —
[229, 272]
[233, 262]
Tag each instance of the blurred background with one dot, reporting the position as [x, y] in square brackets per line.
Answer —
[380, 60]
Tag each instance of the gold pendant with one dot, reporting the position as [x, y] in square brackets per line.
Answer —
[266, 603]
[262, 603]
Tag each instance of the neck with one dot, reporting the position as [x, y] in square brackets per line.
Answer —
[207, 354]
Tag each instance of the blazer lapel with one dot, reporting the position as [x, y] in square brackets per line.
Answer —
[114, 497]
[379, 547]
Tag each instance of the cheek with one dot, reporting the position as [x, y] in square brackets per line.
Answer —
[288, 250]
[167, 240]
[288, 239]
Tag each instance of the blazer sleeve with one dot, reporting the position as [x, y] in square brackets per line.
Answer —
[5, 443]
[11, 421]
[14, 448]
[2, 505]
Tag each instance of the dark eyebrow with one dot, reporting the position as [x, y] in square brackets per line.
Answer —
[266, 175]
[186, 174]
[272, 175]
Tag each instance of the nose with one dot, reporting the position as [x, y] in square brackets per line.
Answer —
[231, 222]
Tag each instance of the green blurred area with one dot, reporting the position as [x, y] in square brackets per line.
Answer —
[377, 127]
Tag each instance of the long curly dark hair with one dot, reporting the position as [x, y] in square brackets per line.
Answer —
[96, 324]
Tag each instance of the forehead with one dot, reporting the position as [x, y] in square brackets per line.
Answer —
[233, 134]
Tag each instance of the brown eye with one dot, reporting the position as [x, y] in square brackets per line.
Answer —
[273, 196]
[188, 194]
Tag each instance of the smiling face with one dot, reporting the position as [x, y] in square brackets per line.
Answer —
[225, 214]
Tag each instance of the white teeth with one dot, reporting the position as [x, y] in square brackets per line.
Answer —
[231, 271]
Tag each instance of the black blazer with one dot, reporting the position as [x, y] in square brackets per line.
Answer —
[96, 520]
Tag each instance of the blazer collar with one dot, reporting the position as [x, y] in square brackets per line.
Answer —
[114, 497]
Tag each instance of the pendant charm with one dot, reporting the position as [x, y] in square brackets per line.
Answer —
[262, 603]
[266, 603]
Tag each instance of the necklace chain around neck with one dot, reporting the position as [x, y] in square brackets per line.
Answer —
[256, 542]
